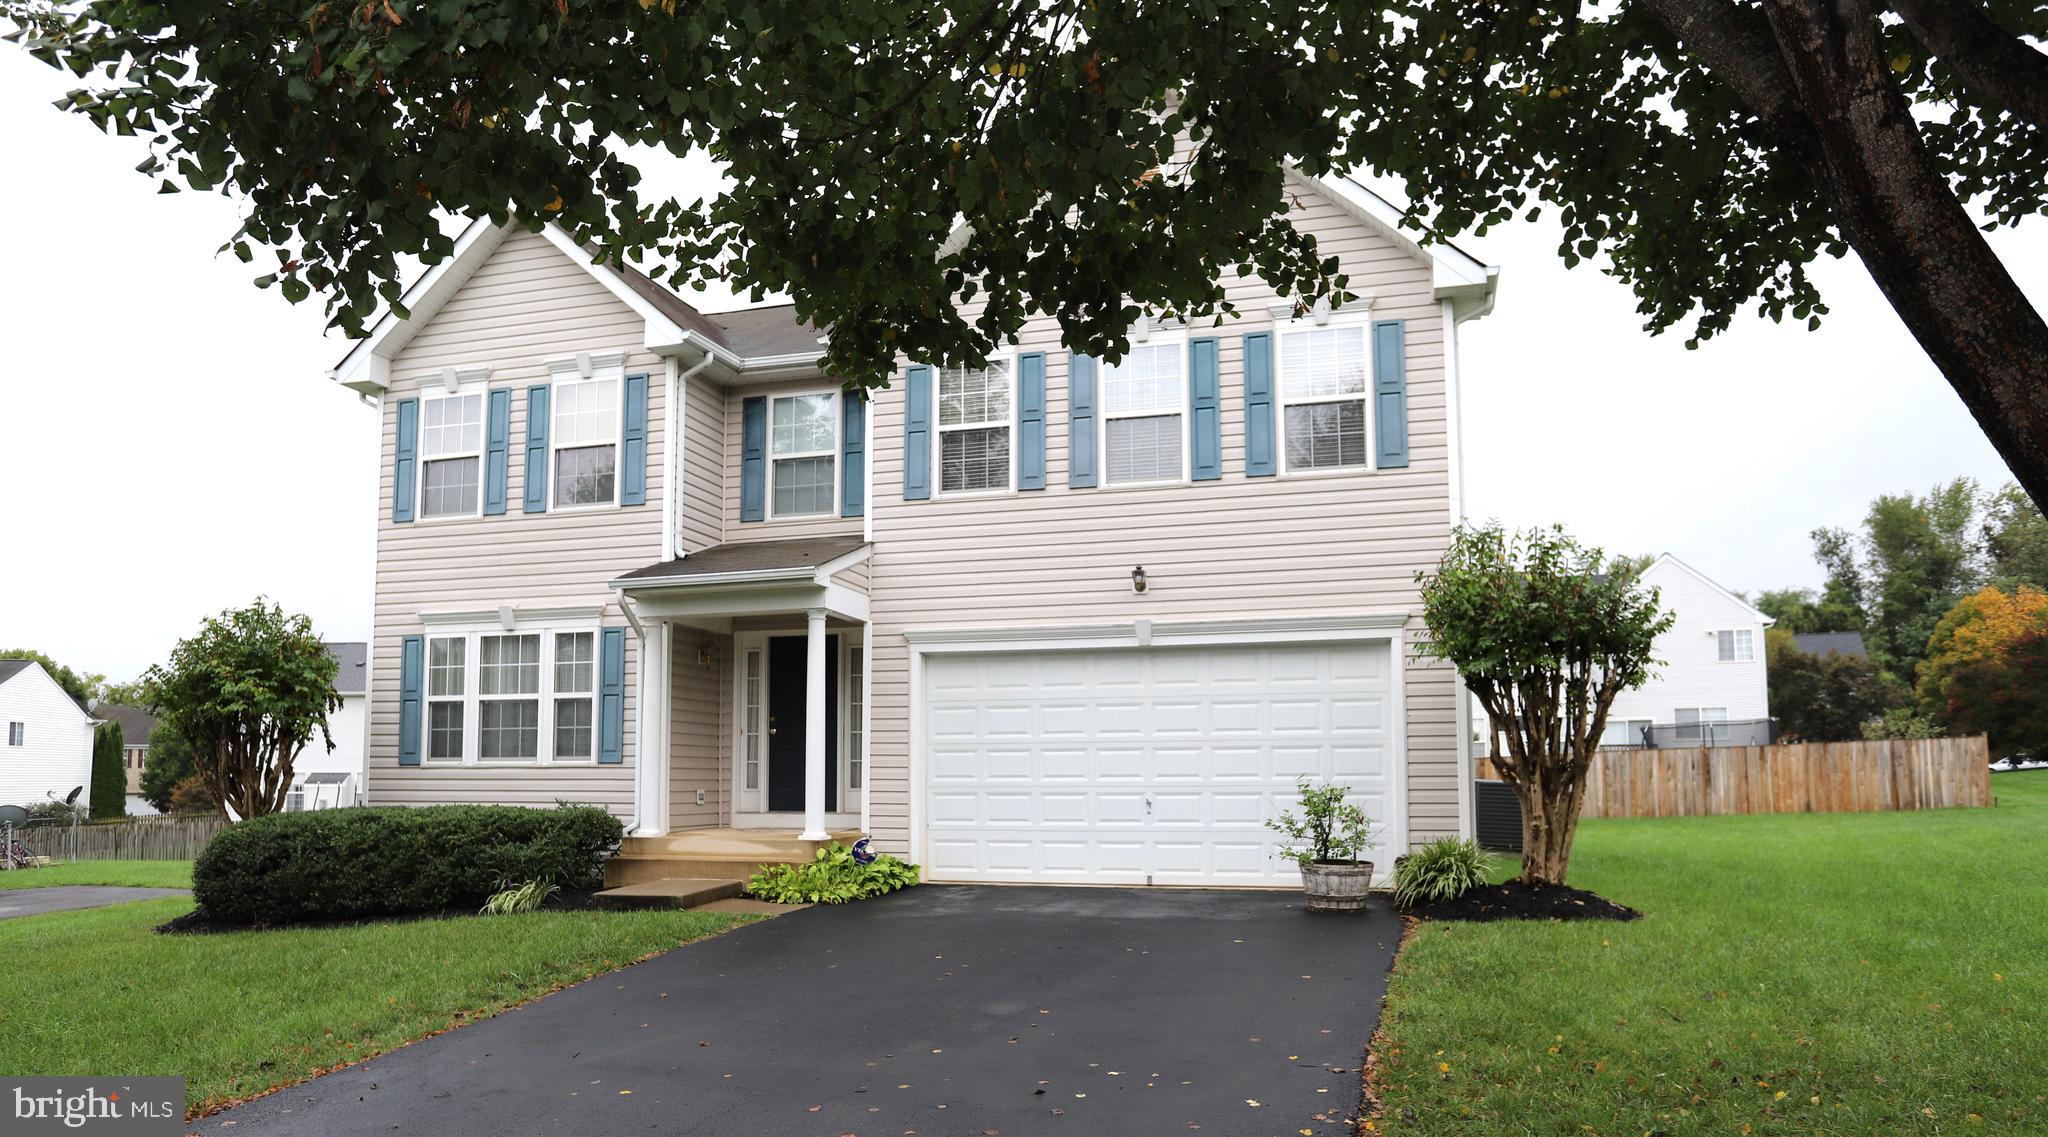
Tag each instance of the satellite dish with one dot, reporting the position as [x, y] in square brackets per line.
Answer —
[13, 815]
[72, 797]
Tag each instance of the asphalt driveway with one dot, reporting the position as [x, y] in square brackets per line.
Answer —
[66, 897]
[936, 1011]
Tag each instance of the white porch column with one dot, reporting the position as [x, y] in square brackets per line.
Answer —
[814, 727]
[651, 737]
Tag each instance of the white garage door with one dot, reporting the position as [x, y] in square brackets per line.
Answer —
[1147, 765]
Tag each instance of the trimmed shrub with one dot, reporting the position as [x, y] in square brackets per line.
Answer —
[338, 864]
[1443, 869]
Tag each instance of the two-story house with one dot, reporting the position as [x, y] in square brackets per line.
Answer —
[1049, 620]
[1710, 687]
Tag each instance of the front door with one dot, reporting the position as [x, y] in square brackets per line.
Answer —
[786, 701]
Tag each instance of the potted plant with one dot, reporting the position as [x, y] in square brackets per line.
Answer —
[1335, 832]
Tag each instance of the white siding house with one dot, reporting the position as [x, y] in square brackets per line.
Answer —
[324, 779]
[47, 747]
[1710, 688]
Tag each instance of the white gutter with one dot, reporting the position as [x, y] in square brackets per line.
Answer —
[750, 576]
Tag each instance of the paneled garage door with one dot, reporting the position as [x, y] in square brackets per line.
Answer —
[1146, 765]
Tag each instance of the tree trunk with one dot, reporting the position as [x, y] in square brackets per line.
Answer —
[1900, 215]
[1550, 821]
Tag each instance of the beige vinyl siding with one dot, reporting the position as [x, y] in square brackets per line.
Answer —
[1239, 547]
[771, 527]
[704, 465]
[526, 305]
[700, 716]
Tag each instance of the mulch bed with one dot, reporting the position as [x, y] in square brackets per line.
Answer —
[199, 922]
[1517, 901]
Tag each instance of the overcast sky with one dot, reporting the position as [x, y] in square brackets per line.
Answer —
[171, 444]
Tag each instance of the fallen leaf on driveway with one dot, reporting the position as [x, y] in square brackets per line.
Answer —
[814, 1109]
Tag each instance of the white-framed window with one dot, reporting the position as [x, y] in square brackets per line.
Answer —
[1325, 380]
[452, 454]
[17, 734]
[754, 690]
[1699, 724]
[1144, 414]
[803, 454]
[1737, 646]
[856, 698]
[977, 408]
[1625, 732]
[527, 695]
[585, 416]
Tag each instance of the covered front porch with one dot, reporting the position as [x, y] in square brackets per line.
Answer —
[752, 710]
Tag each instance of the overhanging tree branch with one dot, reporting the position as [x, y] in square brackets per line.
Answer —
[1991, 61]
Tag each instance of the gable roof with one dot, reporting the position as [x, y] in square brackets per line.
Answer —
[136, 722]
[1469, 283]
[1703, 578]
[9, 668]
[351, 673]
[747, 560]
[1831, 643]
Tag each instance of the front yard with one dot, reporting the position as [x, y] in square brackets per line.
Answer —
[97, 992]
[131, 874]
[1837, 974]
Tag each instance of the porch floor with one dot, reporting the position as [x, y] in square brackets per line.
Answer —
[713, 853]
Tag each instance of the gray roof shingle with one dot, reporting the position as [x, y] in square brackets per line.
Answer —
[774, 330]
[136, 722]
[351, 675]
[748, 557]
[1830, 643]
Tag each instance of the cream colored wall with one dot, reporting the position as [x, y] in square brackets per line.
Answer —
[527, 304]
[702, 523]
[1347, 542]
[700, 727]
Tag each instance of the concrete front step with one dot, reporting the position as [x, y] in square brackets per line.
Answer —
[635, 870]
[668, 892]
[761, 845]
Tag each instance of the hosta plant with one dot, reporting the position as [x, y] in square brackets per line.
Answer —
[834, 876]
[1444, 869]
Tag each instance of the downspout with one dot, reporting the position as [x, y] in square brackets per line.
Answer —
[639, 704]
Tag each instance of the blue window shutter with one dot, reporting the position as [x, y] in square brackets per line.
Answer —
[1205, 406]
[917, 434]
[1031, 421]
[1080, 421]
[536, 474]
[497, 449]
[633, 448]
[410, 669]
[611, 697]
[405, 463]
[753, 458]
[853, 452]
[1258, 406]
[1390, 391]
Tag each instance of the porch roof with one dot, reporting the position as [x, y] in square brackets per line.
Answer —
[744, 561]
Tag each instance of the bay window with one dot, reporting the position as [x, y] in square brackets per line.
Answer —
[803, 443]
[1324, 382]
[1144, 411]
[451, 455]
[975, 427]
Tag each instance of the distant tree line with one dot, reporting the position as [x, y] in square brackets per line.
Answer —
[1949, 591]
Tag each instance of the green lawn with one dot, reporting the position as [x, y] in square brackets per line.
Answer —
[136, 874]
[1839, 974]
[96, 992]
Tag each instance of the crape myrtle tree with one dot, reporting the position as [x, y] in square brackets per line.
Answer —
[1703, 151]
[247, 694]
[1545, 632]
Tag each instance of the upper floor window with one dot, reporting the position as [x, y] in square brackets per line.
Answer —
[1323, 386]
[975, 426]
[527, 695]
[451, 454]
[17, 734]
[585, 436]
[803, 441]
[1144, 409]
[1736, 646]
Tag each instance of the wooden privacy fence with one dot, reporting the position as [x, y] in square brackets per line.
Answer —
[1809, 777]
[138, 839]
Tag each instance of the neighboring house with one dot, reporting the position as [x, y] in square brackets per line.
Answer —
[1051, 620]
[47, 750]
[1825, 644]
[136, 723]
[1710, 688]
[324, 779]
